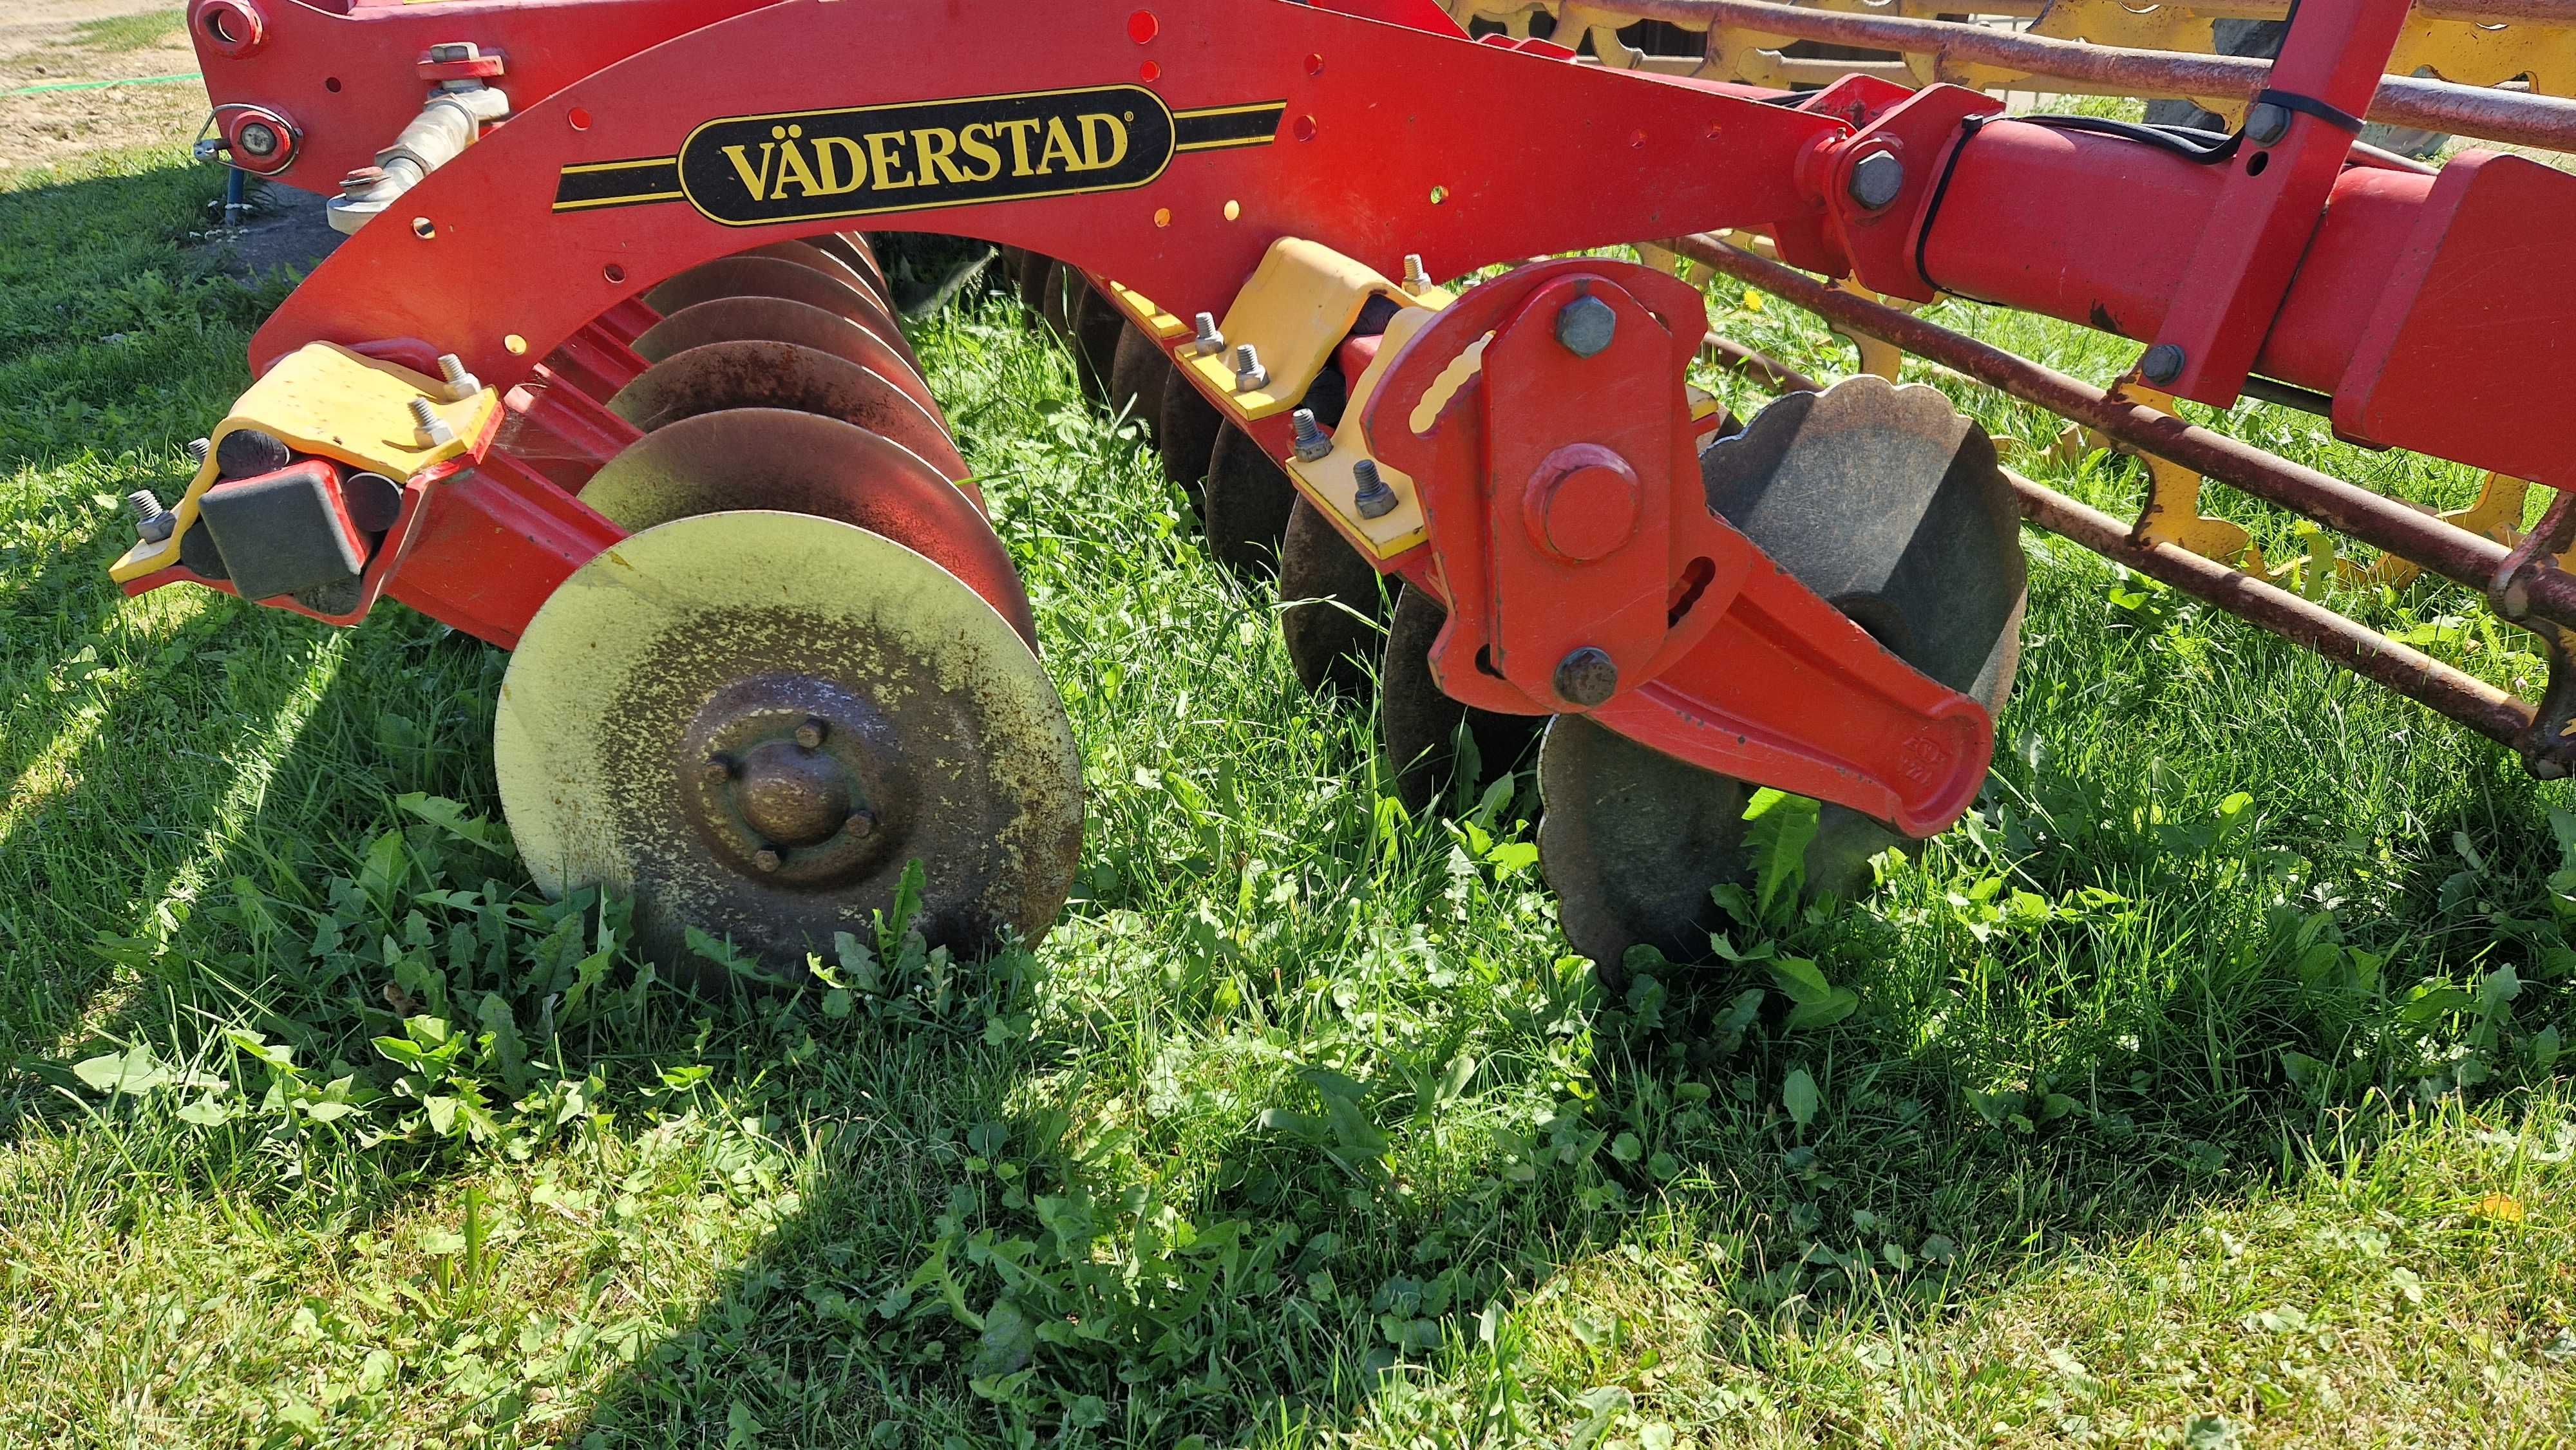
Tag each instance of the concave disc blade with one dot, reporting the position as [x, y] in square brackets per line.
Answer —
[805, 252]
[1138, 373]
[1333, 605]
[1186, 438]
[775, 319]
[1035, 272]
[719, 375]
[772, 458]
[1096, 324]
[1419, 724]
[1055, 297]
[755, 276]
[855, 249]
[751, 721]
[1886, 502]
[1246, 508]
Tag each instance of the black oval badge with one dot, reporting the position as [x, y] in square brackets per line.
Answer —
[806, 165]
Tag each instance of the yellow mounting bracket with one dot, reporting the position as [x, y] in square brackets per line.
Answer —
[328, 400]
[1301, 302]
[1328, 481]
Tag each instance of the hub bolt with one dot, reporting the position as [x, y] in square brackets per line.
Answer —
[151, 521]
[1587, 677]
[461, 384]
[1208, 340]
[259, 139]
[1876, 179]
[1416, 280]
[810, 734]
[1374, 500]
[429, 428]
[766, 859]
[716, 771]
[1311, 442]
[2162, 363]
[1586, 325]
[862, 822]
[1248, 371]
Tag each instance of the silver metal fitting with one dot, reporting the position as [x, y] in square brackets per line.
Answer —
[1208, 339]
[1311, 442]
[450, 51]
[1374, 500]
[1416, 280]
[198, 448]
[258, 139]
[152, 522]
[1876, 179]
[461, 384]
[1248, 371]
[429, 428]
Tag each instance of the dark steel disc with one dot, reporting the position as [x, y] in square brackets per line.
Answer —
[1097, 324]
[855, 249]
[1247, 503]
[1138, 373]
[1333, 605]
[1035, 271]
[719, 375]
[805, 252]
[1420, 725]
[775, 319]
[1055, 297]
[1186, 438]
[754, 276]
[1889, 504]
[750, 722]
[771, 458]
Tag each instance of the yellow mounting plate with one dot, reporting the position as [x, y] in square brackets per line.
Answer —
[1328, 481]
[1160, 325]
[1299, 305]
[326, 399]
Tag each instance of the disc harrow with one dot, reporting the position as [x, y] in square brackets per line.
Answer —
[606, 376]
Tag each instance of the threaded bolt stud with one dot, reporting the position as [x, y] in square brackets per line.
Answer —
[1311, 442]
[151, 521]
[461, 384]
[429, 428]
[1248, 371]
[1415, 279]
[1374, 500]
[199, 449]
[1208, 340]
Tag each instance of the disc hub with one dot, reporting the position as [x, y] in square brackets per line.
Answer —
[790, 778]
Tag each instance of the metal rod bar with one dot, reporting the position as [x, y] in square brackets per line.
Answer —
[2375, 519]
[2364, 651]
[2519, 118]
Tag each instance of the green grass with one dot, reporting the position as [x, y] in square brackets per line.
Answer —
[119, 33]
[2201, 1090]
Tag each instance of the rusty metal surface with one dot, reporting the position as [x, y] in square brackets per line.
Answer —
[2375, 519]
[2496, 115]
[776, 319]
[718, 375]
[756, 276]
[770, 458]
[753, 721]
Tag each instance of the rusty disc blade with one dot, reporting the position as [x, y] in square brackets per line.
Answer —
[1138, 373]
[1333, 605]
[754, 276]
[1423, 729]
[772, 458]
[718, 375]
[775, 319]
[1096, 323]
[751, 722]
[1886, 502]
[1185, 439]
[1036, 270]
[1247, 502]
[810, 252]
[855, 249]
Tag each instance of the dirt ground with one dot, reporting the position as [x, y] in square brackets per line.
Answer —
[53, 42]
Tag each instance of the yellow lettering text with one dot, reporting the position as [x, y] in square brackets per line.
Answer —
[887, 163]
[754, 181]
[936, 147]
[1059, 142]
[1019, 133]
[971, 140]
[833, 182]
[1092, 126]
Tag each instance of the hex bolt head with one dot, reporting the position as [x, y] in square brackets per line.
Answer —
[767, 859]
[1248, 371]
[429, 428]
[1876, 179]
[1207, 339]
[461, 384]
[259, 139]
[717, 770]
[2267, 123]
[152, 523]
[1415, 279]
[1311, 442]
[1586, 677]
[2161, 363]
[1586, 325]
[1374, 500]
[862, 822]
[810, 734]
